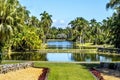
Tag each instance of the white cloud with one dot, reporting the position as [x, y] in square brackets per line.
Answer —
[59, 23]
[54, 21]
[62, 21]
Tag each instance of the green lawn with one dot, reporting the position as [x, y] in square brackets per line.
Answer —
[66, 71]
[94, 46]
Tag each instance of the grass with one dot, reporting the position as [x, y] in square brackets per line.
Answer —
[68, 50]
[66, 71]
[91, 45]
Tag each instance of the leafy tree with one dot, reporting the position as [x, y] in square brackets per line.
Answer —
[33, 21]
[79, 26]
[106, 30]
[8, 18]
[115, 4]
[28, 39]
[95, 31]
[45, 22]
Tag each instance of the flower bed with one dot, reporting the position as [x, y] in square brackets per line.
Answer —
[43, 76]
[97, 74]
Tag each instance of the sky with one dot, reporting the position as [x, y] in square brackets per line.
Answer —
[63, 11]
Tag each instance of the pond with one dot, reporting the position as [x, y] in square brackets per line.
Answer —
[63, 57]
[59, 45]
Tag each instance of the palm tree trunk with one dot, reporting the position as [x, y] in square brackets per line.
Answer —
[9, 52]
[44, 39]
[80, 41]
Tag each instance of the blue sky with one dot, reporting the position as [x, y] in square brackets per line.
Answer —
[63, 11]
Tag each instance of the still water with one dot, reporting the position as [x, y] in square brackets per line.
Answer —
[63, 57]
[59, 45]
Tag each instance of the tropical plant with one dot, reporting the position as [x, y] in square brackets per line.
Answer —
[115, 4]
[95, 31]
[28, 39]
[45, 23]
[8, 17]
[79, 26]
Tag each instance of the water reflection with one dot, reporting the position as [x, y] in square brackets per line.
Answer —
[95, 57]
[60, 57]
[64, 57]
[59, 45]
[33, 56]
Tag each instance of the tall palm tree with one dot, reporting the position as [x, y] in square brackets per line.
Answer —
[46, 22]
[95, 30]
[5, 22]
[79, 26]
[10, 20]
[115, 4]
[33, 21]
[106, 29]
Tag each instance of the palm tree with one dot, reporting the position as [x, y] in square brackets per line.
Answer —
[95, 30]
[6, 20]
[106, 29]
[115, 4]
[33, 21]
[79, 26]
[10, 20]
[46, 22]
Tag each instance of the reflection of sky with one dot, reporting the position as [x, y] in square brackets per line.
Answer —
[59, 57]
[68, 57]
[88, 60]
[60, 44]
[105, 59]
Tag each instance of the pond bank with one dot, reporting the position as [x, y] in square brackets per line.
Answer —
[68, 50]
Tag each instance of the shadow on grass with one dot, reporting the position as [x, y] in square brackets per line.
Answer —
[90, 65]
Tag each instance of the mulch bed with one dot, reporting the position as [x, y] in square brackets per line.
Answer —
[97, 74]
[43, 76]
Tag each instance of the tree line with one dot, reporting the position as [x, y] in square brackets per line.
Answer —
[20, 31]
[84, 31]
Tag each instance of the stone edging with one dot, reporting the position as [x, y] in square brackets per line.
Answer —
[5, 68]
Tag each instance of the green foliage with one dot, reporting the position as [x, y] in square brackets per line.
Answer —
[115, 27]
[59, 33]
[28, 39]
[45, 23]
[18, 30]
[115, 30]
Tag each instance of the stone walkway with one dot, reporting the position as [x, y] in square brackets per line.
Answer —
[109, 74]
[23, 74]
[109, 77]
